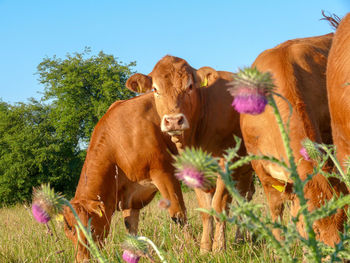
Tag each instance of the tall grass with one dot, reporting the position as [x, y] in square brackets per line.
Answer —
[22, 239]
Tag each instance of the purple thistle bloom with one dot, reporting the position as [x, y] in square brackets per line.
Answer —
[251, 104]
[130, 257]
[40, 214]
[191, 176]
[249, 100]
[305, 154]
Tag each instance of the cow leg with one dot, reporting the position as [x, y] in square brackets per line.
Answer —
[219, 204]
[274, 197]
[276, 206]
[204, 201]
[131, 220]
[170, 189]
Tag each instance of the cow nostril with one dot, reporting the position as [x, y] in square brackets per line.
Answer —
[166, 122]
[181, 120]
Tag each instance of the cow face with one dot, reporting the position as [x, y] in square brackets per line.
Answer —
[176, 87]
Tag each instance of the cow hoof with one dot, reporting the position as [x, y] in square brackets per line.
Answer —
[205, 250]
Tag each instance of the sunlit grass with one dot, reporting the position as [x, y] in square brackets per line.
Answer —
[22, 239]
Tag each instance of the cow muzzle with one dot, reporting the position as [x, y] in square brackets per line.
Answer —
[174, 124]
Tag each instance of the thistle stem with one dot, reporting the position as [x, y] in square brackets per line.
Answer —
[162, 259]
[337, 164]
[298, 184]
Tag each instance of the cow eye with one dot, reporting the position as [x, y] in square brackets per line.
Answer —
[190, 87]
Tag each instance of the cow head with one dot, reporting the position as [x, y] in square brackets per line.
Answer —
[176, 87]
[85, 209]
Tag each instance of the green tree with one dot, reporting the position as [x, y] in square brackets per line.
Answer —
[31, 152]
[80, 89]
[44, 141]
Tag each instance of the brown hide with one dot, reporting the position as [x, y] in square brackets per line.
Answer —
[195, 109]
[127, 161]
[298, 68]
[338, 85]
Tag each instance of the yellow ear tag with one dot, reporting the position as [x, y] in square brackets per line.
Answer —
[59, 218]
[204, 83]
[139, 89]
[279, 188]
[99, 213]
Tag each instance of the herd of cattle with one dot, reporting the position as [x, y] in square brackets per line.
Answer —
[130, 153]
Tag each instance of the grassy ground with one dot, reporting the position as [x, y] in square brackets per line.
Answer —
[24, 240]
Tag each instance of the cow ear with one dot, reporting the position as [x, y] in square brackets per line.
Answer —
[139, 83]
[207, 76]
[92, 206]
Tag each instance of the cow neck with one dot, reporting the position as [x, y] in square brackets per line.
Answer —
[201, 123]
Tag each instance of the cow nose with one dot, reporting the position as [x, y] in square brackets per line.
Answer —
[176, 122]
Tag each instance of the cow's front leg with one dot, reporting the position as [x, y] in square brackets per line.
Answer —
[170, 189]
[204, 201]
[219, 204]
[131, 220]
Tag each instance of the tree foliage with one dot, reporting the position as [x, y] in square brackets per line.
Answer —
[81, 89]
[32, 153]
[44, 141]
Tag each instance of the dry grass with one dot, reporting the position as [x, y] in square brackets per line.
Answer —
[24, 240]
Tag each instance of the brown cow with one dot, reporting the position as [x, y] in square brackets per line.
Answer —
[338, 81]
[298, 68]
[127, 161]
[197, 116]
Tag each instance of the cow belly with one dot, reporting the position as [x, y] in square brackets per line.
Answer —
[277, 172]
[137, 195]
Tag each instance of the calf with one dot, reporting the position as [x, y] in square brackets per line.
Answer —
[298, 68]
[127, 161]
[195, 110]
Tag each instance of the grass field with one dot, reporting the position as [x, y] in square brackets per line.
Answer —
[22, 239]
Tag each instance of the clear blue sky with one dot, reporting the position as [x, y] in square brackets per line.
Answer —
[221, 34]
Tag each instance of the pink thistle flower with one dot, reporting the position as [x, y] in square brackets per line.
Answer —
[250, 90]
[191, 176]
[40, 214]
[249, 101]
[305, 154]
[164, 204]
[130, 257]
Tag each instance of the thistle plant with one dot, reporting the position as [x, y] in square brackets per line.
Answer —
[250, 90]
[137, 246]
[196, 170]
[310, 150]
[46, 204]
